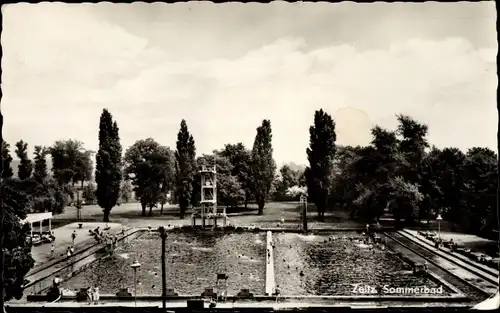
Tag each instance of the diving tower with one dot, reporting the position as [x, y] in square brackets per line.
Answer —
[209, 215]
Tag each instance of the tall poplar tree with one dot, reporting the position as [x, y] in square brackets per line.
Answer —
[25, 167]
[40, 172]
[6, 161]
[108, 174]
[185, 167]
[320, 155]
[263, 166]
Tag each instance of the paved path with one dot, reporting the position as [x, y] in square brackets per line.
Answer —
[469, 265]
[41, 253]
[413, 253]
[448, 266]
[460, 258]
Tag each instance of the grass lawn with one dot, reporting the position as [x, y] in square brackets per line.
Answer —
[130, 214]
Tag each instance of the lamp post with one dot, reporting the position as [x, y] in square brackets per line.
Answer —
[163, 235]
[439, 219]
[303, 201]
[135, 266]
[78, 206]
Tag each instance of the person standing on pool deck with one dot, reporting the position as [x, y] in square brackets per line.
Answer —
[52, 251]
[73, 236]
[68, 256]
[90, 295]
[96, 294]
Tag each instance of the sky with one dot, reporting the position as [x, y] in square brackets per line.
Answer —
[226, 67]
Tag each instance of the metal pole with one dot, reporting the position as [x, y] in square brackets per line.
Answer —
[135, 287]
[163, 235]
[305, 213]
[303, 203]
[439, 230]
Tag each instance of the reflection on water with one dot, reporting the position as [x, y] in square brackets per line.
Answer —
[193, 261]
[308, 237]
[124, 255]
[331, 264]
[202, 249]
[363, 246]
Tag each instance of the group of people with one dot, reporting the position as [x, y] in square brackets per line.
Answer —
[102, 236]
[52, 251]
[93, 295]
[70, 251]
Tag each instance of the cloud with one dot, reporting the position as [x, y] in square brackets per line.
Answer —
[64, 77]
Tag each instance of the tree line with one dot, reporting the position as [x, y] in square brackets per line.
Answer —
[243, 175]
[397, 174]
[401, 175]
[147, 169]
[34, 189]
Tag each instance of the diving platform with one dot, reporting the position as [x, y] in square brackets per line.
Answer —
[209, 214]
[209, 220]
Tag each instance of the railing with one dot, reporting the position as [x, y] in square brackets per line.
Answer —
[220, 211]
[205, 168]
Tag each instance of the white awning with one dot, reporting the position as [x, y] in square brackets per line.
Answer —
[37, 217]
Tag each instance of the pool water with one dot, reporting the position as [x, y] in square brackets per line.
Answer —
[333, 264]
[193, 262]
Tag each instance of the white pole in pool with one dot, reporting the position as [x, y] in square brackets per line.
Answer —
[270, 279]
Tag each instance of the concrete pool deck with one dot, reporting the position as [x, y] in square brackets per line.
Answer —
[42, 255]
[458, 267]
[461, 259]
[272, 304]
